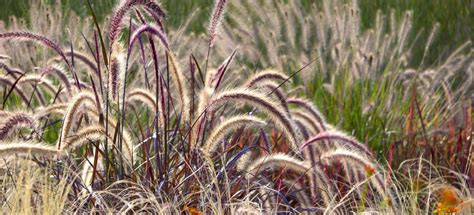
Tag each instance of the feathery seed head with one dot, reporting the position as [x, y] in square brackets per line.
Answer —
[346, 140]
[144, 96]
[216, 19]
[95, 133]
[14, 121]
[116, 70]
[36, 38]
[278, 160]
[179, 81]
[213, 140]
[58, 71]
[11, 71]
[261, 101]
[27, 149]
[309, 106]
[152, 29]
[82, 98]
[266, 75]
[124, 8]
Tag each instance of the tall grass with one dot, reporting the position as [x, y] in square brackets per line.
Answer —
[363, 80]
[200, 140]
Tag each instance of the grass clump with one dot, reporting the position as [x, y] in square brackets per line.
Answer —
[199, 140]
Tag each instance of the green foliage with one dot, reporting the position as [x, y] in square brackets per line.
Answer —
[359, 108]
[18, 8]
[454, 17]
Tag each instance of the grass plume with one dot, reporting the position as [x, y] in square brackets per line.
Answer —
[265, 104]
[36, 38]
[26, 149]
[217, 15]
[225, 127]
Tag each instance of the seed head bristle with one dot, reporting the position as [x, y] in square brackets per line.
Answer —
[27, 149]
[51, 109]
[116, 70]
[14, 121]
[95, 133]
[307, 120]
[179, 81]
[36, 38]
[86, 60]
[206, 92]
[303, 129]
[57, 71]
[359, 162]
[80, 99]
[266, 75]
[213, 140]
[37, 79]
[152, 29]
[278, 160]
[308, 106]
[11, 71]
[274, 89]
[144, 96]
[216, 19]
[347, 141]
[124, 8]
[261, 101]
[244, 161]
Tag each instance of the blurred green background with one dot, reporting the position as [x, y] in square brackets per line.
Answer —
[455, 16]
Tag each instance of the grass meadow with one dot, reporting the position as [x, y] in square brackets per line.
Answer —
[236, 107]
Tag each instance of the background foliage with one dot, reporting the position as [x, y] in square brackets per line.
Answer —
[454, 16]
